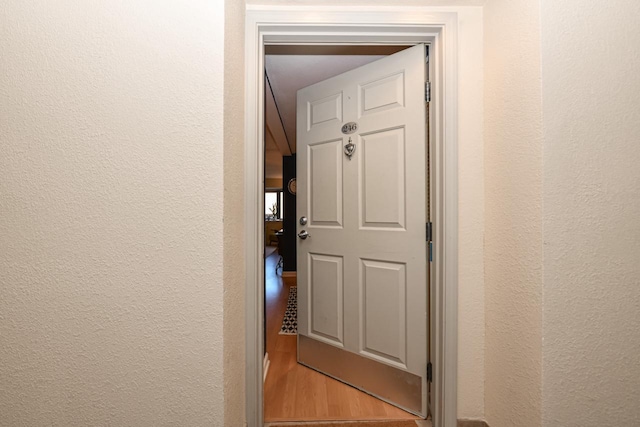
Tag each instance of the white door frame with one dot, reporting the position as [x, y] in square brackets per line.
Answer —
[360, 25]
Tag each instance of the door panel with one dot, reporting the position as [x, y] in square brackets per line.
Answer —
[326, 305]
[383, 194]
[382, 94]
[324, 110]
[324, 175]
[362, 272]
[384, 308]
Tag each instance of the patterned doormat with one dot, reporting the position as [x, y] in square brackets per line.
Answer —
[290, 321]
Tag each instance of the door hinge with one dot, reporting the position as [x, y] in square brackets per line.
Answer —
[427, 91]
[429, 372]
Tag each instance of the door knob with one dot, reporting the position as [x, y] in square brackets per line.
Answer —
[303, 234]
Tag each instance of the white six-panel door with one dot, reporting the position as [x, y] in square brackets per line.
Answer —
[362, 272]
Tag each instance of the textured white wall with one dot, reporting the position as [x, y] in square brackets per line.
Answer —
[111, 121]
[471, 331]
[513, 212]
[234, 278]
[591, 83]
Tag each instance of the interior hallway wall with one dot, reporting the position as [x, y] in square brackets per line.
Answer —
[513, 212]
[290, 221]
[591, 83]
[111, 171]
[233, 239]
[471, 216]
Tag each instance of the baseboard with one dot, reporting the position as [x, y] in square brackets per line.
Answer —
[265, 366]
[472, 423]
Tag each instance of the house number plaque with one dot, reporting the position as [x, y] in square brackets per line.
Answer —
[349, 128]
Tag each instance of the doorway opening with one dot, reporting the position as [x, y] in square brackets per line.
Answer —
[293, 391]
[350, 27]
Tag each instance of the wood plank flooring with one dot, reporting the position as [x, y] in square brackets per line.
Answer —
[293, 392]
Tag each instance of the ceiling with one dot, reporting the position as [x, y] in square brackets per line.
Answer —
[290, 68]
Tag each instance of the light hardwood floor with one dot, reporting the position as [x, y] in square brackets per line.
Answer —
[293, 392]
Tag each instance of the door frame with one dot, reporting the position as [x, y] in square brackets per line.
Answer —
[352, 26]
